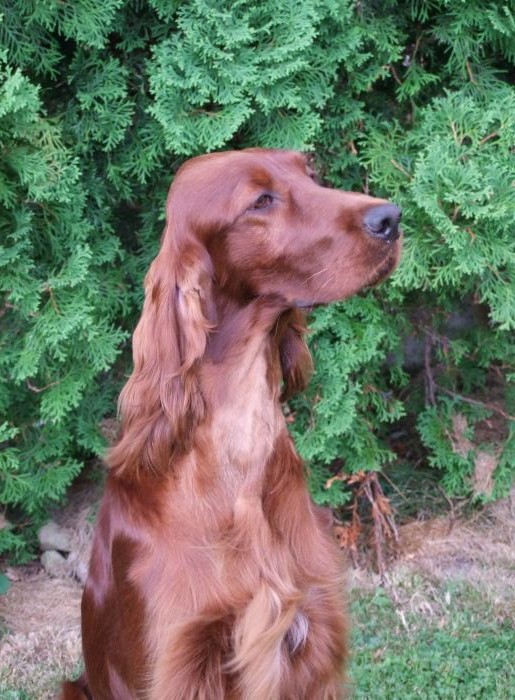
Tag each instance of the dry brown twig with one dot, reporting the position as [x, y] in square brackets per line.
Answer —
[366, 488]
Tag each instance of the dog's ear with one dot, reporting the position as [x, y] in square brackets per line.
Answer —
[296, 362]
[161, 404]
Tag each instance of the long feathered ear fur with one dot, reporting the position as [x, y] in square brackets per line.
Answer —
[161, 403]
[296, 362]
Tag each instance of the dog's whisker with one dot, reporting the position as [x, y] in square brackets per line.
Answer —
[315, 274]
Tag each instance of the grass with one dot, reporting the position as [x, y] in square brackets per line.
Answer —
[461, 648]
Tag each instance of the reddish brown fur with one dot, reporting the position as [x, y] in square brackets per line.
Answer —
[213, 575]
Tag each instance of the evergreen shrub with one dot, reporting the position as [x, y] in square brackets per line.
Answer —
[410, 100]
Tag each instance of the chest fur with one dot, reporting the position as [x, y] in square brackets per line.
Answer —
[247, 419]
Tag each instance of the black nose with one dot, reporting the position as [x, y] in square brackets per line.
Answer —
[383, 222]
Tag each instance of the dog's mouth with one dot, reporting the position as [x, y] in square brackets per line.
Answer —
[387, 266]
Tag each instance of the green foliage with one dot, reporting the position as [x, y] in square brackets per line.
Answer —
[61, 305]
[333, 423]
[5, 584]
[258, 68]
[101, 102]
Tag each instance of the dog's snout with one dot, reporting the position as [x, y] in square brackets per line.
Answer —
[383, 222]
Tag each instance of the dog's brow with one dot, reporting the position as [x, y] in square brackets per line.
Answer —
[261, 178]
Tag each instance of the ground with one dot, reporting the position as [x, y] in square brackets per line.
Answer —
[441, 623]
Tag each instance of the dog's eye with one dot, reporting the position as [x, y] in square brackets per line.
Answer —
[263, 201]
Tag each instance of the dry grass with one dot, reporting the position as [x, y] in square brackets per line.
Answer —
[444, 552]
[41, 619]
[480, 552]
[40, 616]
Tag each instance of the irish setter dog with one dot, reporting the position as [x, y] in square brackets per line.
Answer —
[213, 575]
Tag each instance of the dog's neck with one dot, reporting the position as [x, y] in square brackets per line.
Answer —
[239, 329]
[241, 381]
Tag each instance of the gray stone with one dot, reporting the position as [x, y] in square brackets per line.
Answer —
[54, 564]
[53, 536]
